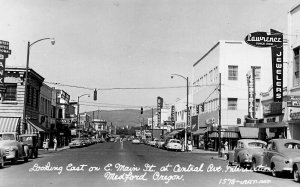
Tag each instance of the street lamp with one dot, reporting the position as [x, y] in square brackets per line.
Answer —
[187, 107]
[29, 45]
[78, 115]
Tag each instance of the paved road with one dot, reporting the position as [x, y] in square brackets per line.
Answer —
[110, 164]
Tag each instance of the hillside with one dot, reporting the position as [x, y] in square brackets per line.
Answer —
[125, 117]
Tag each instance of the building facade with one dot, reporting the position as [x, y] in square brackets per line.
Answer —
[232, 60]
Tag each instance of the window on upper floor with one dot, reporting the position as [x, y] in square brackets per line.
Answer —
[257, 73]
[296, 67]
[232, 104]
[11, 92]
[232, 72]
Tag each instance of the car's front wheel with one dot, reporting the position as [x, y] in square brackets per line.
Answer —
[2, 163]
[15, 159]
[296, 174]
[273, 171]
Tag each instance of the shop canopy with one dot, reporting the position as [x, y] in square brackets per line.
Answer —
[33, 128]
[9, 124]
[249, 132]
[200, 131]
[224, 134]
[173, 133]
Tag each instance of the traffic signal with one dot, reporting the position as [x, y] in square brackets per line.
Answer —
[202, 107]
[141, 110]
[197, 109]
[95, 95]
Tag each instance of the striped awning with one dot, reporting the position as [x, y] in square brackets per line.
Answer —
[33, 128]
[9, 124]
[226, 134]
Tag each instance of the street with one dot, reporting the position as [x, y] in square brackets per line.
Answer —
[108, 164]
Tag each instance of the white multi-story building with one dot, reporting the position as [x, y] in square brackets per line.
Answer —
[294, 69]
[232, 60]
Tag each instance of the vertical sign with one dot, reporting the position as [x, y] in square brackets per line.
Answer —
[275, 41]
[159, 106]
[251, 93]
[277, 67]
[172, 113]
[4, 52]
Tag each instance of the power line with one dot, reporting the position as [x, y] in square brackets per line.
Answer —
[126, 88]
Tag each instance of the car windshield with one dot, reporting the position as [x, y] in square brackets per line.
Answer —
[292, 145]
[174, 141]
[7, 137]
[256, 145]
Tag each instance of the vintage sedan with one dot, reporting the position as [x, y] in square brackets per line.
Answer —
[174, 144]
[248, 153]
[282, 155]
[76, 142]
[136, 141]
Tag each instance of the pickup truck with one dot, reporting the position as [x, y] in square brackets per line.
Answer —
[13, 148]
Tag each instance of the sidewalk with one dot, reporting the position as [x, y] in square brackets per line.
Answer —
[195, 150]
[51, 150]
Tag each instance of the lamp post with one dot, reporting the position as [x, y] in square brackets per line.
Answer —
[29, 45]
[78, 115]
[187, 107]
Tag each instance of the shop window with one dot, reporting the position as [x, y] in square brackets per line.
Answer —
[11, 92]
[232, 104]
[232, 72]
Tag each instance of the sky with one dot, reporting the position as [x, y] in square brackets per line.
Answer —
[128, 44]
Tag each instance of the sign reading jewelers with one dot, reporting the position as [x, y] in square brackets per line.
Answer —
[4, 52]
[275, 41]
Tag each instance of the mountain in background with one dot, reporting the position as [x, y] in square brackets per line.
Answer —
[122, 118]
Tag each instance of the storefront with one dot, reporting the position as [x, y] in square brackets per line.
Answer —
[230, 136]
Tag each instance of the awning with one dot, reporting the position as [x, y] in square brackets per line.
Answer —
[33, 128]
[9, 124]
[175, 132]
[226, 134]
[248, 132]
[200, 131]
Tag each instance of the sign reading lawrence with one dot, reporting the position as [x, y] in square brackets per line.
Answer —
[275, 41]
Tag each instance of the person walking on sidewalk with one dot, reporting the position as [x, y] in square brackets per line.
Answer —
[55, 144]
[46, 144]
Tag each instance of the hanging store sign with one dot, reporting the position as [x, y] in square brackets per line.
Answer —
[295, 116]
[251, 93]
[293, 101]
[159, 106]
[275, 41]
[4, 52]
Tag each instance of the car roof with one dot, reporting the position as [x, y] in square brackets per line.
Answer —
[251, 140]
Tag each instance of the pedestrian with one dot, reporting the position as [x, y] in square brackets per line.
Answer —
[222, 149]
[182, 145]
[55, 144]
[189, 146]
[226, 155]
[46, 144]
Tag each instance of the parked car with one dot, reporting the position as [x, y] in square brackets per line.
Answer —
[136, 141]
[174, 144]
[166, 141]
[31, 140]
[76, 142]
[248, 153]
[282, 155]
[13, 148]
[153, 142]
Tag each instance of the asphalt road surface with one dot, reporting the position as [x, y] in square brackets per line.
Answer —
[111, 164]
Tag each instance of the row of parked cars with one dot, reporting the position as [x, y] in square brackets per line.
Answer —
[85, 141]
[15, 147]
[277, 156]
[168, 143]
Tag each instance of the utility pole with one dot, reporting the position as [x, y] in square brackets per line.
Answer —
[152, 124]
[219, 125]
